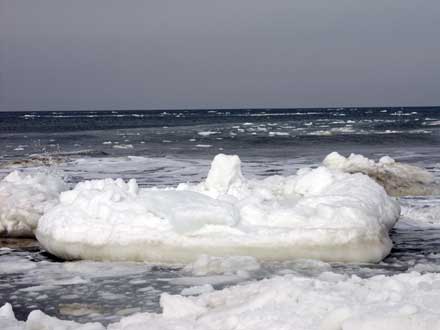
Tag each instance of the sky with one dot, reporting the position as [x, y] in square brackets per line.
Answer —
[179, 54]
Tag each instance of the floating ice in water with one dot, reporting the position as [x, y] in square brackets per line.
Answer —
[24, 198]
[398, 179]
[278, 134]
[207, 133]
[422, 212]
[207, 265]
[123, 146]
[331, 301]
[320, 213]
[194, 290]
[9, 265]
[433, 123]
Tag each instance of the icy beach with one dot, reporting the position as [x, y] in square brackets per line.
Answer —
[328, 302]
[287, 235]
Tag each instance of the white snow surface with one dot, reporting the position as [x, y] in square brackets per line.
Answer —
[406, 301]
[37, 320]
[24, 198]
[398, 179]
[318, 213]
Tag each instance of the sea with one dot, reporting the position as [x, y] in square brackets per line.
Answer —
[164, 148]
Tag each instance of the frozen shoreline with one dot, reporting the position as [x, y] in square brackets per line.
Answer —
[331, 301]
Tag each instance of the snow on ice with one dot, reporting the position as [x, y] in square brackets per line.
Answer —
[24, 198]
[318, 213]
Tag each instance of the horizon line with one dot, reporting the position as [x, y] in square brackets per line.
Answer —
[221, 108]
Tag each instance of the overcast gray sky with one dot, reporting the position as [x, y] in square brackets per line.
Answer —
[151, 54]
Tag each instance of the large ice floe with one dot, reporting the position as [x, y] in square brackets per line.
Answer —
[329, 302]
[398, 179]
[318, 213]
[24, 198]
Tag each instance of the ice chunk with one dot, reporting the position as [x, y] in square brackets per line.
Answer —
[113, 213]
[197, 290]
[175, 306]
[318, 213]
[224, 174]
[37, 320]
[8, 320]
[24, 198]
[6, 311]
[398, 179]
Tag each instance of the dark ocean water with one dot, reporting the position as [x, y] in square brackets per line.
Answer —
[204, 133]
[44, 121]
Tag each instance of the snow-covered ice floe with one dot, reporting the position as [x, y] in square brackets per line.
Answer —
[406, 301]
[24, 198]
[398, 179]
[318, 213]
